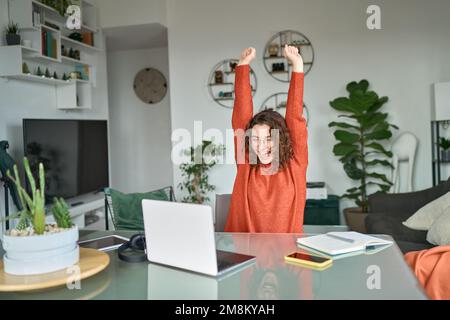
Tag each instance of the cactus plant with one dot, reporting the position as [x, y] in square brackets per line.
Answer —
[61, 213]
[34, 205]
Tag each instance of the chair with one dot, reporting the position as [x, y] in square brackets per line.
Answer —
[221, 212]
[166, 194]
[404, 150]
[388, 211]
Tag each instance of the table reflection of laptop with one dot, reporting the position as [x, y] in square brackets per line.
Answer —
[182, 235]
[166, 283]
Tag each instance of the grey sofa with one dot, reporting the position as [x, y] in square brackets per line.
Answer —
[388, 211]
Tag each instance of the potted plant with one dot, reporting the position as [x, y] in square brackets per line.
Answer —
[196, 174]
[358, 146]
[12, 34]
[445, 152]
[35, 247]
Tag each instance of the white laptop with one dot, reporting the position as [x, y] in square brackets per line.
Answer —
[181, 235]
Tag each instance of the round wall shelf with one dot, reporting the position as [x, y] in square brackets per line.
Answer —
[221, 82]
[278, 66]
[278, 103]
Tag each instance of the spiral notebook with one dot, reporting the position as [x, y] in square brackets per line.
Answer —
[337, 243]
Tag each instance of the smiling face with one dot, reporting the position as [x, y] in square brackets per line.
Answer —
[261, 143]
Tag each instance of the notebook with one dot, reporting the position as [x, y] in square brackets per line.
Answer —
[338, 243]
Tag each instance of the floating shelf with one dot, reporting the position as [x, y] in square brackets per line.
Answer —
[35, 78]
[44, 6]
[74, 62]
[78, 43]
[221, 84]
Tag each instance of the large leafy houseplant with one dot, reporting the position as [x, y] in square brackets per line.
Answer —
[358, 140]
[196, 180]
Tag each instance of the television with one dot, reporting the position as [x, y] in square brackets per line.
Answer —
[73, 152]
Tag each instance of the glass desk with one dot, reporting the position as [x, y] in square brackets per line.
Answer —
[270, 277]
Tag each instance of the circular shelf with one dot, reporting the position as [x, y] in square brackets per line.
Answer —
[221, 82]
[278, 66]
[278, 102]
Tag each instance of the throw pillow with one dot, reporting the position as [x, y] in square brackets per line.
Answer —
[425, 216]
[439, 233]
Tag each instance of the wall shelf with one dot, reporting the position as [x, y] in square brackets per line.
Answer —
[273, 51]
[33, 17]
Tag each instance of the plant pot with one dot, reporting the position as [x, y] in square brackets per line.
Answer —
[12, 39]
[355, 219]
[40, 253]
[445, 155]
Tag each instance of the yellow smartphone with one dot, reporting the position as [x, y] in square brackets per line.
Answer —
[309, 260]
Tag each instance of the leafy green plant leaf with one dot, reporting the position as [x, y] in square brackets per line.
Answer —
[346, 137]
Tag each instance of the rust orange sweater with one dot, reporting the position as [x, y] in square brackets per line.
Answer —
[269, 203]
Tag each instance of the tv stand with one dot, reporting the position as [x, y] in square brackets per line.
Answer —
[81, 205]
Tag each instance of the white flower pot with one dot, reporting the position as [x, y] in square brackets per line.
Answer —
[40, 253]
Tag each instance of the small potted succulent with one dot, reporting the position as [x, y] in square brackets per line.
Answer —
[12, 34]
[445, 146]
[35, 247]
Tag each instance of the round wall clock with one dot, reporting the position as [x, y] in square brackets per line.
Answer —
[150, 85]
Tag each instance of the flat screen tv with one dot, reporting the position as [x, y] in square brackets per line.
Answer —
[74, 154]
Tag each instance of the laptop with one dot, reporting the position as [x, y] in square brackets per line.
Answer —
[181, 235]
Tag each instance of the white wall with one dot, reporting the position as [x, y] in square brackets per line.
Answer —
[401, 61]
[20, 100]
[140, 132]
[114, 13]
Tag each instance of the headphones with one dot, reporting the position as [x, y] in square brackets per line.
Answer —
[137, 250]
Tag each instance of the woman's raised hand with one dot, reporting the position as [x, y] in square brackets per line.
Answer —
[247, 56]
[292, 54]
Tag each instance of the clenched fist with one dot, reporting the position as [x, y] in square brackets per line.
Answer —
[291, 53]
[247, 56]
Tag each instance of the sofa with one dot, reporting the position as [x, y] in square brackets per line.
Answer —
[388, 211]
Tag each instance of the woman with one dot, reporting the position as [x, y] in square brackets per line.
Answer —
[269, 194]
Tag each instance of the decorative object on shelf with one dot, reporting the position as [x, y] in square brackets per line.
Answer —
[88, 38]
[282, 38]
[222, 92]
[64, 51]
[12, 34]
[150, 85]
[76, 54]
[278, 102]
[47, 73]
[75, 75]
[55, 75]
[358, 146]
[445, 146]
[233, 65]
[218, 77]
[76, 36]
[39, 72]
[196, 174]
[65, 77]
[274, 50]
[25, 69]
[34, 247]
[277, 67]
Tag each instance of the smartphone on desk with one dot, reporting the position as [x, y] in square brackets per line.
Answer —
[309, 260]
[104, 243]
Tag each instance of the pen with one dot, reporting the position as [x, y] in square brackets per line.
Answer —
[341, 238]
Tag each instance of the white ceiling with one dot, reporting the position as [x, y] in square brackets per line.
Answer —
[145, 36]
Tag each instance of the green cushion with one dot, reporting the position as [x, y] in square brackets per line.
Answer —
[127, 208]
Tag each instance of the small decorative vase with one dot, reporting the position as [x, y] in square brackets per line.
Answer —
[218, 77]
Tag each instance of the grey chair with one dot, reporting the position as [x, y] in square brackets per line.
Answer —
[221, 212]
[388, 211]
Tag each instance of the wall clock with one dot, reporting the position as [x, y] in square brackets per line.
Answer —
[150, 85]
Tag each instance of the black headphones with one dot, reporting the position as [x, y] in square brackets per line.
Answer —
[137, 250]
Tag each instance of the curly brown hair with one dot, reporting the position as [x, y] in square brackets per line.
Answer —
[276, 122]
